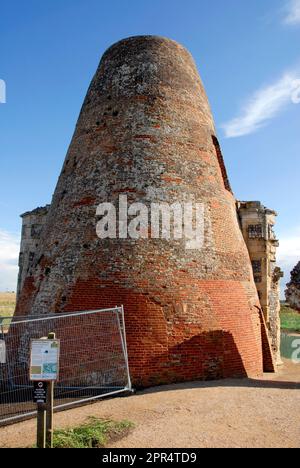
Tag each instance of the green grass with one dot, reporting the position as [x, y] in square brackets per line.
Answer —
[290, 319]
[96, 433]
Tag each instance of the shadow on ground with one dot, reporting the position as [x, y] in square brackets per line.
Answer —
[287, 377]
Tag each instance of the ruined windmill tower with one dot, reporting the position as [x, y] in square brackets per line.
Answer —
[146, 131]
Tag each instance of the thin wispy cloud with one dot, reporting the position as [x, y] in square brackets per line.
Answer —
[9, 252]
[264, 105]
[292, 12]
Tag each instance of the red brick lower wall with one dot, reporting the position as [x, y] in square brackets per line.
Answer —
[208, 335]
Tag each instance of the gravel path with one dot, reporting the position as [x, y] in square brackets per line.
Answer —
[230, 413]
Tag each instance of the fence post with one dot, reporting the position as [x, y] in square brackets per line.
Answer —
[49, 407]
[129, 385]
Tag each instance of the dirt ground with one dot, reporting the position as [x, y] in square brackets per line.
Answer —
[231, 413]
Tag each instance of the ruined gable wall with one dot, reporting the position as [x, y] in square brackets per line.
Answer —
[33, 223]
[257, 224]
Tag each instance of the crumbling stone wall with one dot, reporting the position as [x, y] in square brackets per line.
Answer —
[292, 292]
[257, 223]
[33, 223]
[146, 130]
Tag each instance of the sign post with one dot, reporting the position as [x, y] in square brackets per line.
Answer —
[49, 405]
[41, 425]
[44, 365]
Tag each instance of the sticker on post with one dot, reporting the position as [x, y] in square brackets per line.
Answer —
[44, 360]
[39, 392]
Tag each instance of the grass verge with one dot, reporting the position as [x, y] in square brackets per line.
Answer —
[7, 304]
[96, 433]
[290, 319]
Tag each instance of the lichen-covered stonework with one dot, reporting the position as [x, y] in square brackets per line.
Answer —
[257, 225]
[33, 223]
[146, 131]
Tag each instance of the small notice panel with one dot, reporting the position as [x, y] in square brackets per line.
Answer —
[2, 352]
[44, 360]
[40, 392]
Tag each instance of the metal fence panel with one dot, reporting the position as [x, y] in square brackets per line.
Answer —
[93, 359]
[289, 345]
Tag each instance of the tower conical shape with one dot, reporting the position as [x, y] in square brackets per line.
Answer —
[146, 131]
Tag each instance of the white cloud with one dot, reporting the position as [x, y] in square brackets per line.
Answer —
[292, 16]
[264, 105]
[9, 253]
[288, 254]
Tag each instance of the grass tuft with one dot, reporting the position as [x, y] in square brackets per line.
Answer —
[95, 433]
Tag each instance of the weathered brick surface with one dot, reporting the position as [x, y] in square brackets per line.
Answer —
[146, 130]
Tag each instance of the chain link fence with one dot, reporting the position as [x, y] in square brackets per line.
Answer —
[93, 359]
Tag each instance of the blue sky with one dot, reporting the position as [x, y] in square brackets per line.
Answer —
[248, 54]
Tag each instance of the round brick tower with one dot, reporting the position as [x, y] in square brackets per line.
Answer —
[146, 132]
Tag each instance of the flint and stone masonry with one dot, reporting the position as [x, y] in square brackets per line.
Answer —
[257, 224]
[146, 131]
[32, 225]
